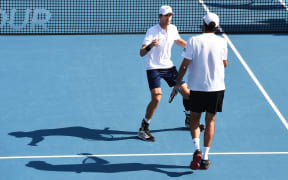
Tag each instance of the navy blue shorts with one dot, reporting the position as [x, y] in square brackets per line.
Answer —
[206, 101]
[169, 75]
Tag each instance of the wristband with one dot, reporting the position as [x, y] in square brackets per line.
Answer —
[148, 48]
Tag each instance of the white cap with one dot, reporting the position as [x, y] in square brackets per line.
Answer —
[211, 17]
[164, 10]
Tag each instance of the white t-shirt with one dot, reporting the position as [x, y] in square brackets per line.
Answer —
[160, 57]
[206, 70]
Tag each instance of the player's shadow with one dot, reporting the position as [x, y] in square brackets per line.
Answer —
[98, 165]
[85, 133]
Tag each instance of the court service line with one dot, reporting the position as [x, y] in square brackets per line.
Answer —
[251, 74]
[141, 155]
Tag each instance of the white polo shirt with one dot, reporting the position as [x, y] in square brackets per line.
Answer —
[160, 57]
[206, 70]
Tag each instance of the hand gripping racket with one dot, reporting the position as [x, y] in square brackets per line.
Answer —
[173, 95]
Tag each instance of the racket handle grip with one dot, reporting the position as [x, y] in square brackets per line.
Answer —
[173, 95]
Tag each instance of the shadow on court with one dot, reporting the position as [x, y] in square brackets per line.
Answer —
[85, 133]
[98, 165]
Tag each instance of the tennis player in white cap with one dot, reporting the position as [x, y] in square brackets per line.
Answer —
[205, 57]
[156, 47]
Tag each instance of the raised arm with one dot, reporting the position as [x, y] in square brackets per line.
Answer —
[146, 48]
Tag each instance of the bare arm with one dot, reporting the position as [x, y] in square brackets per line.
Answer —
[225, 62]
[146, 48]
[181, 73]
[143, 51]
[181, 42]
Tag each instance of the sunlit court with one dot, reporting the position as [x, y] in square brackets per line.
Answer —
[74, 90]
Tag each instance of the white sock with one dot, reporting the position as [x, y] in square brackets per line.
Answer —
[205, 153]
[147, 120]
[196, 142]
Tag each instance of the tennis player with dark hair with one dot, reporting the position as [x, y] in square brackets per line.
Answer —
[205, 57]
[156, 47]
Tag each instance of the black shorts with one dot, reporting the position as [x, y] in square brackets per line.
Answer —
[154, 77]
[206, 101]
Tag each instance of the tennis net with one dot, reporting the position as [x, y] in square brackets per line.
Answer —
[136, 16]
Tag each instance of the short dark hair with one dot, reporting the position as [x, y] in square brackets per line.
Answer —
[211, 27]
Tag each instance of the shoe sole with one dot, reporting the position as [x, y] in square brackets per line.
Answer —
[205, 167]
[195, 164]
[148, 139]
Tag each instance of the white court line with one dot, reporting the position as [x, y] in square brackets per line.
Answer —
[284, 4]
[141, 155]
[252, 75]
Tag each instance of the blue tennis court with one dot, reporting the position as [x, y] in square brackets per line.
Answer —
[68, 95]
[71, 107]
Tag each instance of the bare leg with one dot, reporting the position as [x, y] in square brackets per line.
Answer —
[156, 95]
[195, 133]
[210, 128]
[144, 132]
[194, 124]
[185, 92]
